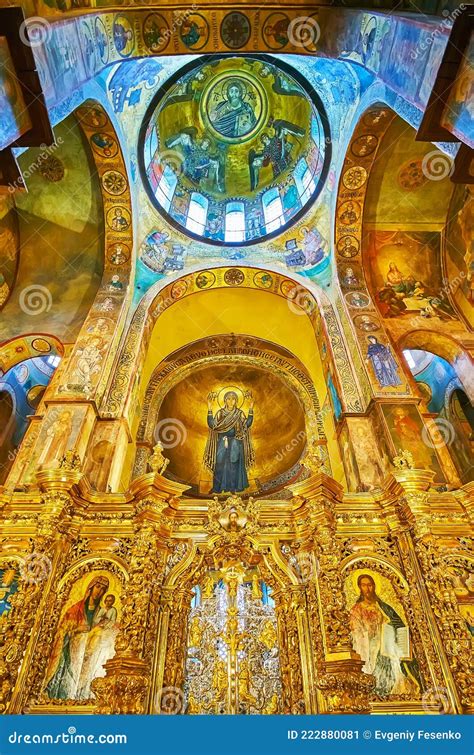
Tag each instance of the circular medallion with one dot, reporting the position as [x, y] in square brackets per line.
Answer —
[118, 219]
[357, 299]
[375, 118]
[205, 279]
[366, 324]
[156, 32]
[118, 254]
[91, 116]
[178, 289]
[263, 279]
[349, 212]
[355, 177]
[194, 32]
[234, 106]
[124, 37]
[114, 182]
[104, 144]
[275, 31]
[364, 145]
[235, 30]
[41, 345]
[411, 175]
[52, 169]
[234, 277]
[22, 373]
[348, 246]
[102, 40]
[289, 289]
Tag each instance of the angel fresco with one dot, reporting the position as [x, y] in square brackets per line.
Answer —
[276, 150]
[199, 165]
[229, 452]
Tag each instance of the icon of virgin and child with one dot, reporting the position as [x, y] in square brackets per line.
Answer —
[85, 641]
[229, 452]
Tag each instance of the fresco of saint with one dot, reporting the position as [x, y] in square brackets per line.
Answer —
[63, 676]
[229, 451]
[233, 117]
[376, 636]
[57, 436]
[383, 363]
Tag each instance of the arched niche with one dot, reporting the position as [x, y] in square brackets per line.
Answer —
[392, 208]
[22, 388]
[257, 302]
[447, 347]
[286, 410]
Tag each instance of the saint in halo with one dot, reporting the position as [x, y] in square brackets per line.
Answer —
[380, 636]
[67, 657]
[233, 117]
[383, 363]
[229, 451]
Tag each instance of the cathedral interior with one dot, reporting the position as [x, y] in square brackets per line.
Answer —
[236, 357]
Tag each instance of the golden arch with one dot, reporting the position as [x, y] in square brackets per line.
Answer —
[162, 296]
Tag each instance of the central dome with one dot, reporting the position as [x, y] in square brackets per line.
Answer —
[234, 149]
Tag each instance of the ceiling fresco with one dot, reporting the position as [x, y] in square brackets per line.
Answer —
[235, 149]
[58, 228]
[304, 244]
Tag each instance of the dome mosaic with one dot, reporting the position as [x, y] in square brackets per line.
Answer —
[235, 149]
